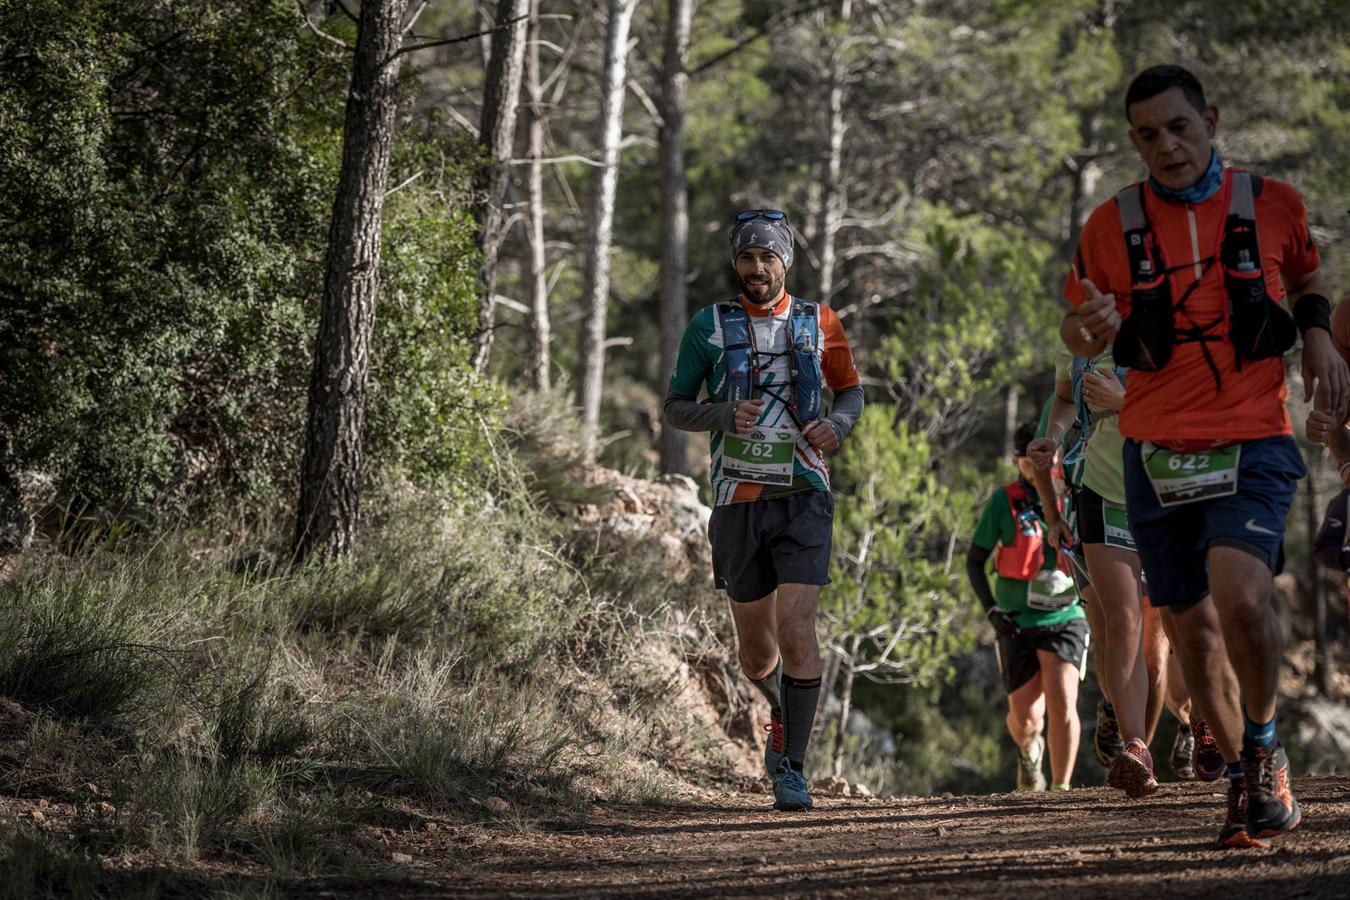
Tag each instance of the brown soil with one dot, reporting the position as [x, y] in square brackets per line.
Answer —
[1087, 842]
[1084, 843]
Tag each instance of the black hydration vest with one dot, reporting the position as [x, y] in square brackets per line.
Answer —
[1259, 327]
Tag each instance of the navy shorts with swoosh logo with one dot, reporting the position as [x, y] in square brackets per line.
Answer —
[1173, 541]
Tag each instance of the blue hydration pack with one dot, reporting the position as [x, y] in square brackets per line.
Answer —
[804, 374]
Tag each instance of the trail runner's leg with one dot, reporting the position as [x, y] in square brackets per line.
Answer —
[1059, 678]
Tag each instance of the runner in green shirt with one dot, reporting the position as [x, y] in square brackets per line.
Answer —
[1041, 631]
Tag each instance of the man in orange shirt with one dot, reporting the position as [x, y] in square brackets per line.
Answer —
[1183, 274]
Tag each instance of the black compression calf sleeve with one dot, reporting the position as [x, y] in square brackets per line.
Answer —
[800, 696]
[771, 686]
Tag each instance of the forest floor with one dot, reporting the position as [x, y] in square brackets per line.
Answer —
[1087, 842]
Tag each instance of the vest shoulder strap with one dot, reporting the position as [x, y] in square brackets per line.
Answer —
[1130, 202]
[1241, 199]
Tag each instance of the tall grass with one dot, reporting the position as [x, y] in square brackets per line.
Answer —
[222, 703]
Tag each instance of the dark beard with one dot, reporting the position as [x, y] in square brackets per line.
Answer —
[775, 290]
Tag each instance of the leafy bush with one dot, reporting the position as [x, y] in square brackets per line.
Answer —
[166, 176]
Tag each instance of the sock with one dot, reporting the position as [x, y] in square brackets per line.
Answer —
[1184, 729]
[1108, 708]
[1234, 771]
[1258, 736]
[1060, 787]
[1033, 753]
[800, 696]
[771, 686]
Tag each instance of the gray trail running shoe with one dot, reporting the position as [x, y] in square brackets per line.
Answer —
[789, 789]
[1106, 741]
[1029, 774]
[1271, 807]
[1234, 831]
[1182, 750]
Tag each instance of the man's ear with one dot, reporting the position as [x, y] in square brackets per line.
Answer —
[1211, 117]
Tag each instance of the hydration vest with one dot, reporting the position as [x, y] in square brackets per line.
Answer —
[1259, 327]
[1026, 556]
[804, 374]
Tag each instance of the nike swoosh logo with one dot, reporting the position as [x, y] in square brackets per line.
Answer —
[1252, 526]
[1335, 523]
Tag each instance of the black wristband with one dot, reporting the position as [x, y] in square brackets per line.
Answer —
[1312, 311]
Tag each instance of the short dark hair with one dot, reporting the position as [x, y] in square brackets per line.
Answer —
[1024, 435]
[1154, 80]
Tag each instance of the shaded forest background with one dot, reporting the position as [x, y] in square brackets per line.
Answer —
[167, 175]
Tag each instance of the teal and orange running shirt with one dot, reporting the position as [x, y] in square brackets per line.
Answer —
[701, 367]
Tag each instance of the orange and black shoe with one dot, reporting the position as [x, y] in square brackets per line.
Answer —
[773, 745]
[1132, 770]
[1271, 807]
[1206, 758]
[1234, 832]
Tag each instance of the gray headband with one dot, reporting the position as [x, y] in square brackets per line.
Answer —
[765, 234]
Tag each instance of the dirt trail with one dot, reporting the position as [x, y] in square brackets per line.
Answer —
[1087, 842]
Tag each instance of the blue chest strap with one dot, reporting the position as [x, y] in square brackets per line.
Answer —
[804, 373]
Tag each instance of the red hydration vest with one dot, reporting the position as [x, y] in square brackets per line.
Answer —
[1026, 556]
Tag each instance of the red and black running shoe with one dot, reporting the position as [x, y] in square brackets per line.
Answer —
[1206, 758]
[1271, 807]
[1132, 770]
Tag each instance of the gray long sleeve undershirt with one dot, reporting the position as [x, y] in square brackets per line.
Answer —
[690, 415]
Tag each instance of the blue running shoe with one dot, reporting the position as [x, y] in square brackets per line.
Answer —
[789, 789]
[773, 746]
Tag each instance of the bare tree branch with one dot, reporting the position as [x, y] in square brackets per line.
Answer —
[458, 40]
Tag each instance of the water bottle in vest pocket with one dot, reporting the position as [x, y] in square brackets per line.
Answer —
[1259, 326]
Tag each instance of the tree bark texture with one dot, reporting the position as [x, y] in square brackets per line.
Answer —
[330, 484]
[833, 191]
[595, 291]
[845, 705]
[1010, 399]
[674, 217]
[496, 132]
[536, 261]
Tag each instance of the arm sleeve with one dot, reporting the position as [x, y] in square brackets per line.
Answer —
[690, 415]
[848, 406]
[979, 579]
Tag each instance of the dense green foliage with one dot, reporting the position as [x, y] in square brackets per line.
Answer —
[166, 176]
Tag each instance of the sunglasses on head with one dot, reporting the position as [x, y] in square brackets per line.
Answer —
[773, 215]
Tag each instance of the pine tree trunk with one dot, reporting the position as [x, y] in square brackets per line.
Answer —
[675, 218]
[833, 191]
[595, 291]
[330, 483]
[1010, 418]
[536, 262]
[845, 705]
[496, 132]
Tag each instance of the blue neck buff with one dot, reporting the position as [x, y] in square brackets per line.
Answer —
[1206, 187]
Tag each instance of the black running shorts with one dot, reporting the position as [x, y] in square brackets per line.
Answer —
[759, 545]
[1017, 655]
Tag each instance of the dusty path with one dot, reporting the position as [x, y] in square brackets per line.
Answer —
[1084, 843]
